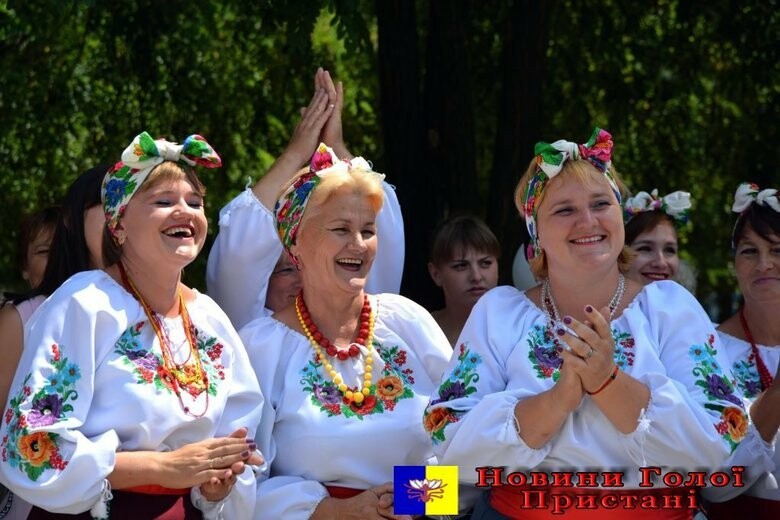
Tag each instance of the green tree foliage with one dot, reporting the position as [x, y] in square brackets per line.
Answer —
[689, 90]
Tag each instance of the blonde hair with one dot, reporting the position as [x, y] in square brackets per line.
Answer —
[584, 173]
[353, 180]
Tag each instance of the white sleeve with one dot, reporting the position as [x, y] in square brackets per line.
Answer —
[242, 258]
[471, 417]
[243, 408]
[755, 455]
[46, 459]
[388, 268]
[287, 497]
[695, 417]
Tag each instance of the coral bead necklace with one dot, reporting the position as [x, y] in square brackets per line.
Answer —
[319, 342]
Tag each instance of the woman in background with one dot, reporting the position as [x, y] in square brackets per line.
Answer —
[751, 339]
[464, 263]
[651, 232]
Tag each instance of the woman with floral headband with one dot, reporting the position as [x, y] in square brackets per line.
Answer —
[651, 232]
[588, 370]
[346, 374]
[751, 339]
[253, 277]
[134, 392]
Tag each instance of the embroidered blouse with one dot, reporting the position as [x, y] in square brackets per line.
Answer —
[663, 338]
[89, 385]
[760, 458]
[247, 247]
[311, 438]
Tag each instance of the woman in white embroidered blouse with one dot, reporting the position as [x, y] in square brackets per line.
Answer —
[134, 391]
[751, 339]
[346, 374]
[590, 371]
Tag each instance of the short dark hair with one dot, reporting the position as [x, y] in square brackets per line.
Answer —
[764, 220]
[644, 222]
[459, 233]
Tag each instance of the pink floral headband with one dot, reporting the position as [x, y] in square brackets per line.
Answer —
[139, 159]
[550, 159]
[293, 201]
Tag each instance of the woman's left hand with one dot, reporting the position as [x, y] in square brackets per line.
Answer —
[217, 489]
[592, 349]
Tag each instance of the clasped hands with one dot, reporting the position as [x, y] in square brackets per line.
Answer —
[590, 362]
[213, 464]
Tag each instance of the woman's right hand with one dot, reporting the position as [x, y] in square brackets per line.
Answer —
[211, 460]
[372, 504]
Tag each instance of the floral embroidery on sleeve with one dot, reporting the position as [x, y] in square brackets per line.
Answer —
[733, 420]
[460, 383]
[148, 367]
[394, 384]
[33, 452]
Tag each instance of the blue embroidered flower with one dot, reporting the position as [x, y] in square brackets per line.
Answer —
[71, 374]
[115, 190]
[699, 353]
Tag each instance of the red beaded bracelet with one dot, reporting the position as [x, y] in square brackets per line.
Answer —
[611, 378]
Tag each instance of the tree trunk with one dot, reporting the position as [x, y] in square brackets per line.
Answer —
[402, 128]
[523, 58]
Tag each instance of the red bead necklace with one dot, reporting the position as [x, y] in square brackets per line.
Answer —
[763, 373]
[353, 350]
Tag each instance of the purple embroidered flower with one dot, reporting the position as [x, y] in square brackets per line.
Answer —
[720, 389]
[46, 410]
[752, 388]
[143, 359]
[454, 390]
[326, 394]
[547, 357]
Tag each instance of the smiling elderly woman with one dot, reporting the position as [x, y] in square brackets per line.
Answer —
[347, 375]
[134, 390]
[590, 370]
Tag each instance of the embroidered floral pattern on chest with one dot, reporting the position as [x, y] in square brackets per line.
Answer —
[149, 368]
[394, 384]
[460, 383]
[746, 374]
[35, 452]
[709, 376]
[547, 362]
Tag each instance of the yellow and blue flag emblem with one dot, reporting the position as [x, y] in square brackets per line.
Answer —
[425, 490]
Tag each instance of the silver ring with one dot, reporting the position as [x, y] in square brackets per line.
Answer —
[589, 354]
[211, 463]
